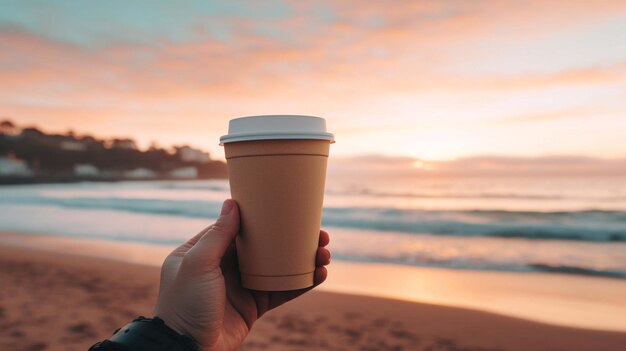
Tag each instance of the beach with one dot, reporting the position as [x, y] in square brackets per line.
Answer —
[469, 189]
[62, 294]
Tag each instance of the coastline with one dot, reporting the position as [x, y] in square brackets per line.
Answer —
[17, 180]
[559, 299]
[60, 299]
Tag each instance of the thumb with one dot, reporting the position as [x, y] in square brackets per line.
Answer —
[208, 251]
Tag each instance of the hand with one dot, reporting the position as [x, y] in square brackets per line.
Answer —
[201, 294]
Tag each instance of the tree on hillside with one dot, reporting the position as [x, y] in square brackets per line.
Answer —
[123, 144]
[7, 127]
[60, 154]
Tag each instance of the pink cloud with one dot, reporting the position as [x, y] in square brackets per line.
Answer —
[370, 50]
[379, 165]
[545, 116]
[404, 53]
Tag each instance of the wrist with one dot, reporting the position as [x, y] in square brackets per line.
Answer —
[171, 320]
[171, 323]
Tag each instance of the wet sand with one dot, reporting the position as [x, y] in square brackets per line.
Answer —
[62, 301]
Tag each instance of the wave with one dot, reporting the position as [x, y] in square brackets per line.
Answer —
[416, 195]
[196, 186]
[184, 208]
[491, 266]
[576, 270]
[471, 195]
[590, 225]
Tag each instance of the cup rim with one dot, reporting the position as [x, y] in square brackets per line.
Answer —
[297, 127]
[231, 138]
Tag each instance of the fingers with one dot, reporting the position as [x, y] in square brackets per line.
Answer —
[322, 258]
[320, 275]
[182, 249]
[173, 260]
[211, 247]
[277, 298]
[324, 238]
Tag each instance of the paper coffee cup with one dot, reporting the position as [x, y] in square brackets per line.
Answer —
[277, 172]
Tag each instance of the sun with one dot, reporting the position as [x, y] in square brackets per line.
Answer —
[421, 165]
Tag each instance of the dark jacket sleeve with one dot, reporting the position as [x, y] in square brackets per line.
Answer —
[107, 345]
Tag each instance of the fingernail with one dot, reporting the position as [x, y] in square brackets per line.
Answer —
[226, 207]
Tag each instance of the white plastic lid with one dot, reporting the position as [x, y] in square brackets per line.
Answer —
[276, 127]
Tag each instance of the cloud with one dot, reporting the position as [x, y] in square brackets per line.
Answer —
[33, 66]
[369, 49]
[534, 166]
[342, 56]
[544, 117]
[477, 166]
[599, 75]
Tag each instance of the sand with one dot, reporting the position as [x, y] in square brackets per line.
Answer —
[61, 301]
[587, 302]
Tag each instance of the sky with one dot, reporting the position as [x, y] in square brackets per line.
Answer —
[423, 80]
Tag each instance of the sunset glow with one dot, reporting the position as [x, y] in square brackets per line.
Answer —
[473, 198]
[430, 80]
[421, 165]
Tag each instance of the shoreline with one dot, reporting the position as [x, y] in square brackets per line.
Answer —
[68, 301]
[558, 299]
[69, 180]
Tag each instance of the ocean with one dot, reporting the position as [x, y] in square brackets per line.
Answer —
[567, 224]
